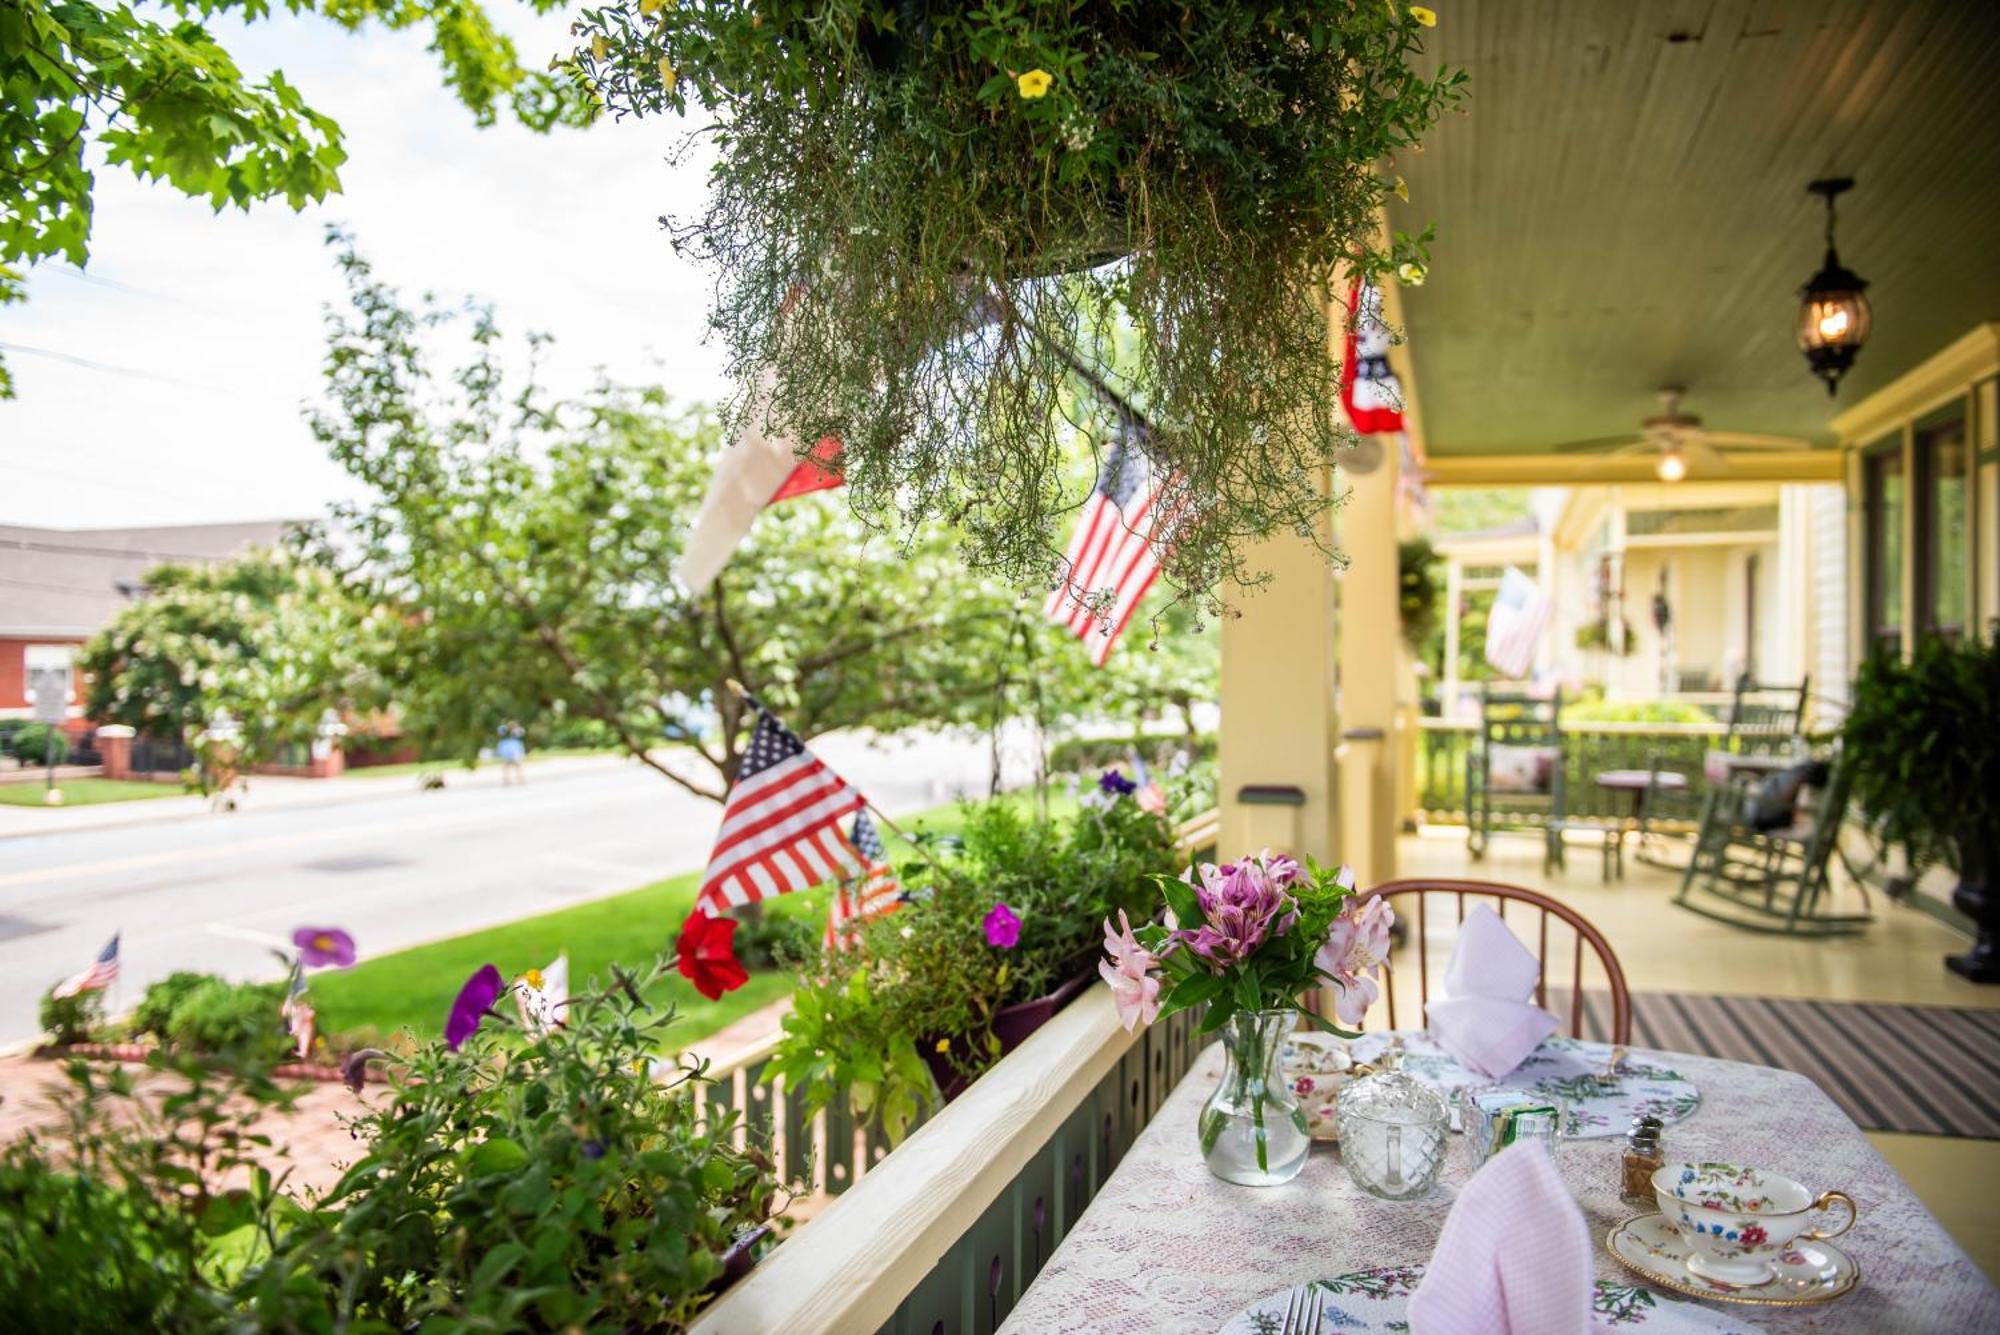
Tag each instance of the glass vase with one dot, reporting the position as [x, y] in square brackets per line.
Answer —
[1253, 1131]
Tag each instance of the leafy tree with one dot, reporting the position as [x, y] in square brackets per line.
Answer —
[531, 542]
[147, 87]
[270, 638]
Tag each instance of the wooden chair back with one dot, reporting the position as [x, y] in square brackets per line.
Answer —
[1411, 901]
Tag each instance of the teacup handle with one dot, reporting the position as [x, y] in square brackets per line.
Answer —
[1826, 1199]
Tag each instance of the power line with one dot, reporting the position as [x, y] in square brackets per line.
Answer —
[89, 365]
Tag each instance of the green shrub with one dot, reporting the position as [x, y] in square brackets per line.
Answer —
[29, 743]
[74, 1019]
[214, 1017]
[155, 1010]
[1634, 711]
[1090, 755]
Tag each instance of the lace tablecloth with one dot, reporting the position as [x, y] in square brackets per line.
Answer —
[1168, 1247]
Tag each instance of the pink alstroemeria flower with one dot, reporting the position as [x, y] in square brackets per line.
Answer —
[1242, 904]
[1129, 972]
[1356, 947]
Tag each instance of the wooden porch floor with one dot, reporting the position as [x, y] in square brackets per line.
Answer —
[1664, 948]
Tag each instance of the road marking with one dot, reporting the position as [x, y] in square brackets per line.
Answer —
[628, 869]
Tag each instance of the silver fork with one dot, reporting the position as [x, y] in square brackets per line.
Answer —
[1303, 1308]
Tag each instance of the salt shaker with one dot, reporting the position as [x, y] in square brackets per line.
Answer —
[1642, 1158]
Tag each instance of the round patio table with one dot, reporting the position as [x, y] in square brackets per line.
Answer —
[1166, 1246]
[1638, 783]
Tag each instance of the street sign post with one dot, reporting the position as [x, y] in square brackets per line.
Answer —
[48, 691]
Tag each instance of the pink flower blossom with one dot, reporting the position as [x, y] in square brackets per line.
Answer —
[1129, 972]
[1356, 947]
[1242, 904]
[1003, 927]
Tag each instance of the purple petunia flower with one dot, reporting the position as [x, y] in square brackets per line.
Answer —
[1003, 927]
[1242, 905]
[474, 1000]
[324, 947]
[1115, 783]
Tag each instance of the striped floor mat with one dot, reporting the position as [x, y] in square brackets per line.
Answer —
[1927, 1070]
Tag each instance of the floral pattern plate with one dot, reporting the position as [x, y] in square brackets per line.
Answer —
[1807, 1272]
[1379, 1300]
[1569, 1068]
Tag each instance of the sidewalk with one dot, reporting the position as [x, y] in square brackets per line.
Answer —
[270, 792]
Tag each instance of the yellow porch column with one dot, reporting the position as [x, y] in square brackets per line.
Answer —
[1370, 657]
[1278, 784]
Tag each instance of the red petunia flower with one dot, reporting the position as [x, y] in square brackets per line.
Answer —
[708, 956]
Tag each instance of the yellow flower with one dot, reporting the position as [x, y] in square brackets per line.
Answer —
[668, 74]
[943, 1045]
[1412, 275]
[599, 48]
[1034, 83]
[533, 978]
[1424, 16]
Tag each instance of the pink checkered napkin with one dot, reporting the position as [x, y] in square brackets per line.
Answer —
[1514, 1257]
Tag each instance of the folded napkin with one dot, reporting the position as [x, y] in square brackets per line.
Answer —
[1484, 1019]
[1514, 1257]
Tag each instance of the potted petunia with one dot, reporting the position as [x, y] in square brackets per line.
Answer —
[1247, 940]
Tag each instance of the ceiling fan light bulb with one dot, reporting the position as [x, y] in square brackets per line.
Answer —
[1672, 467]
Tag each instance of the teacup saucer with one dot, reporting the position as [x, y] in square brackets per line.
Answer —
[1804, 1273]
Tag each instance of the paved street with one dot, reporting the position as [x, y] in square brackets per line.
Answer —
[396, 869]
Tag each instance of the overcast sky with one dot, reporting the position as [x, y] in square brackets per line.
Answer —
[167, 380]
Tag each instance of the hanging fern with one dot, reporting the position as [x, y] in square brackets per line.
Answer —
[923, 214]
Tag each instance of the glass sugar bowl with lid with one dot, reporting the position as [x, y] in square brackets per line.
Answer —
[1393, 1129]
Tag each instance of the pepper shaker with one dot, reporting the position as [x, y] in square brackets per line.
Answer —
[1643, 1157]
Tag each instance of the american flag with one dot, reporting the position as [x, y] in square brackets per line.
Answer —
[1111, 562]
[1514, 626]
[103, 971]
[870, 895]
[781, 827]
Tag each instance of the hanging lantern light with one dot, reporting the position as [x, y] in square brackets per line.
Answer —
[1834, 316]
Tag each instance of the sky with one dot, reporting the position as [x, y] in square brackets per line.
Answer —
[168, 379]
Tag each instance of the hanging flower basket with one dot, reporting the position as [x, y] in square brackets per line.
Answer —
[925, 218]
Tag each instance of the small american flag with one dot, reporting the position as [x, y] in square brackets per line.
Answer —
[1111, 561]
[103, 971]
[1514, 626]
[870, 895]
[781, 827]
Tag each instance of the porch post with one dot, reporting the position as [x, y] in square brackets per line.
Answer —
[1278, 784]
[1370, 645]
[1454, 595]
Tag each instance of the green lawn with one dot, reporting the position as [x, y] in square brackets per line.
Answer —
[415, 987]
[87, 792]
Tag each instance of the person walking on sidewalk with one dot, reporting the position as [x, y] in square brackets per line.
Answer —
[512, 751]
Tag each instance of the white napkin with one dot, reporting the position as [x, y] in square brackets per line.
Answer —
[1514, 1257]
[1485, 1020]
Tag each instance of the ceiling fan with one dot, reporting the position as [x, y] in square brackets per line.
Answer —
[1681, 441]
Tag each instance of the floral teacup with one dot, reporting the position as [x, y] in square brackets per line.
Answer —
[1736, 1219]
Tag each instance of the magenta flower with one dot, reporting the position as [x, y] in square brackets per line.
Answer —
[1243, 904]
[474, 1000]
[1003, 927]
[1357, 945]
[1129, 972]
[324, 947]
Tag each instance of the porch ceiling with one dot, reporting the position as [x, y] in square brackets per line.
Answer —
[1624, 207]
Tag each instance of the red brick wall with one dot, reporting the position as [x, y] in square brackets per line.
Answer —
[13, 670]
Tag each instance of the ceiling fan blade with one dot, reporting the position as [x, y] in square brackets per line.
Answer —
[1705, 456]
[1750, 440]
[1621, 444]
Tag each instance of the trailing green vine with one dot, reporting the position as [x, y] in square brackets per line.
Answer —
[923, 215]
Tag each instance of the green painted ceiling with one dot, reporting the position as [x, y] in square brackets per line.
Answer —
[1622, 205]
